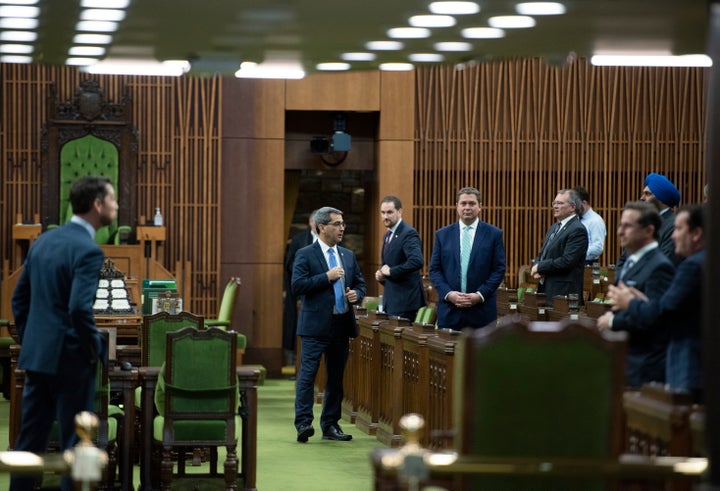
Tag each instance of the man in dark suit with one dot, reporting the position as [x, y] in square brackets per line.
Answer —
[680, 305]
[650, 271]
[467, 266]
[53, 309]
[329, 279]
[298, 241]
[560, 264]
[401, 260]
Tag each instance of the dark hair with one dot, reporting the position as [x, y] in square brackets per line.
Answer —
[573, 199]
[322, 216]
[695, 213]
[649, 215]
[85, 190]
[394, 200]
[468, 191]
[582, 193]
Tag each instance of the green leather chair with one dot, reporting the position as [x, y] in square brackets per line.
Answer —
[224, 317]
[533, 391]
[197, 399]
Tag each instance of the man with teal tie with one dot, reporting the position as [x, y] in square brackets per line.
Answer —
[467, 267]
[329, 279]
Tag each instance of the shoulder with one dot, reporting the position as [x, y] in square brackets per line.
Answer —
[448, 229]
[486, 228]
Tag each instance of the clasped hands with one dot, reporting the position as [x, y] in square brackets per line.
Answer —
[463, 300]
[534, 272]
[381, 273]
[620, 297]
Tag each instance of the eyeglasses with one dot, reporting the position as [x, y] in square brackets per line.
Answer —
[337, 224]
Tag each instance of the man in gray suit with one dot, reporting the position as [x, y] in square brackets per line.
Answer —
[560, 264]
[53, 309]
[650, 271]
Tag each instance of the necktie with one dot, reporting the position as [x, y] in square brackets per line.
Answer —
[465, 248]
[386, 240]
[553, 232]
[556, 229]
[626, 267]
[337, 285]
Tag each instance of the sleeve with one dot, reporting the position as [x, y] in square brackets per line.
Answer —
[655, 289]
[303, 280]
[596, 237]
[86, 272]
[497, 268]
[437, 269]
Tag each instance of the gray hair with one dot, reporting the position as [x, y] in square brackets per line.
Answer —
[573, 199]
[322, 216]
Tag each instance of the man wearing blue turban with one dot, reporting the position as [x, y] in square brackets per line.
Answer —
[662, 193]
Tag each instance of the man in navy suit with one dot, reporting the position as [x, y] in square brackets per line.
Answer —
[53, 309]
[648, 269]
[329, 279]
[560, 264]
[401, 260]
[467, 266]
[681, 304]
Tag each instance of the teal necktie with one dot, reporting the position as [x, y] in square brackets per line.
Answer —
[465, 248]
[337, 285]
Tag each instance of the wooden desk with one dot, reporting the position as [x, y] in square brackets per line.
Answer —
[156, 236]
[128, 326]
[23, 236]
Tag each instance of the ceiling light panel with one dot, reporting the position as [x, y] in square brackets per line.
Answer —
[540, 8]
[396, 67]
[358, 56]
[19, 11]
[333, 67]
[96, 26]
[112, 15]
[16, 49]
[104, 4]
[18, 2]
[18, 23]
[454, 8]
[432, 21]
[408, 33]
[482, 33]
[18, 36]
[92, 39]
[511, 21]
[426, 57]
[453, 46]
[384, 45]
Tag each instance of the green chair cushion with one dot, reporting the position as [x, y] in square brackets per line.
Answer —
[194, 430]
[161, 387]
[420, 314]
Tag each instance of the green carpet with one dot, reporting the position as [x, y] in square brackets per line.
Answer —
[318, 465]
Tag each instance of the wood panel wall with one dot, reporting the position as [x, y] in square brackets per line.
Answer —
[178, 124]
[520, 130]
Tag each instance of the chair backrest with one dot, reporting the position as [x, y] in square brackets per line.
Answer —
[430, 315]
[154, 330]
[200, 379]
[420, 316]
[228, 300]
[540, 389]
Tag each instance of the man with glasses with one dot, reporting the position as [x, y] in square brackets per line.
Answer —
[646, 269]
[560, 263]
[329, 279]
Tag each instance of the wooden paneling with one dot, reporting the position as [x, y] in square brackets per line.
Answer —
[519, 130]
[253, 108]
[353, 91]
[397, 106]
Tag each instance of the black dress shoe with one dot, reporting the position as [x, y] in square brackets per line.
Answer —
[304, 432]
[335, 433]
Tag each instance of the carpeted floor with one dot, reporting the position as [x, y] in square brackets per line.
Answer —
[283, 464]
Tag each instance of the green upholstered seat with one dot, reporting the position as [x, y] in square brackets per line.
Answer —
[429, 315]
[198, 404]
[420, 316]
[227, 304]
[526, 392]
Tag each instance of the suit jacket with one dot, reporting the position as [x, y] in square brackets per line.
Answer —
[562, 260]
[681, 308]
[298, 241]
[309, 279]
[647, 343]
[53, 300]
[486, 271]
[667, 245]
[403, 289]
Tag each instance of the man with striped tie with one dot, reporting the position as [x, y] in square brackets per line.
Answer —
[467, 267]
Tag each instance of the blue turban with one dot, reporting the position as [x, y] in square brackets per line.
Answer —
[663, 189]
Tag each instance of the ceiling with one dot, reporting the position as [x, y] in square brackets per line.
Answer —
[216, 35]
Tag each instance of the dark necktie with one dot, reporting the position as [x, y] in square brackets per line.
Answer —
[626, 267]
[553, 232]
[386, 240]
[337, 285]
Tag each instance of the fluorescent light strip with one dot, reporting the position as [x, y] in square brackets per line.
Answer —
[358, 56]
[19, 11]
[84, 51]
[652, 60]
[109, 15]
[333, 67]
[92, 39]
[19, 36]
[453, 46]
[396, 67]
[454, 8]
[426, 57]
[81, 61]
[273, 70]
[18, 23]
[104, 4]
[139, 67]
[511, 21]
[19, 2]
[384, 45]
[16, 49]
[16, 59]
[408, 33]
[96, 26]
[482, 33]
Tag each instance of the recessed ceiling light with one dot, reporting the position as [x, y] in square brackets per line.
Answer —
[453, 46]
[20, 36]
[112, 15]
[20, 2]
[16, 59]
[482, 33]
[432, 21]
[92, 39]
[333, 67]
[454, 8]
[96, 26]
[426, 57]
[16, 49]
[396, 67]
[511, 21]
[18, 23]
[81, 61]
[384, 45]
[288, 69]
[138, 67]
[105, 4]
[86, 51]
[19, 11]
[358, 56]
[540, 8]
[408, 33]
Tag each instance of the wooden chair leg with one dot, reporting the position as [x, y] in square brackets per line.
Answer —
[166, 469]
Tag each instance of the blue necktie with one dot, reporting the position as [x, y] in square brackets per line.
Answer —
[465, 249]
[337, 285]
